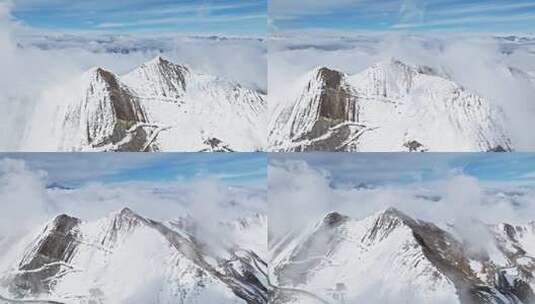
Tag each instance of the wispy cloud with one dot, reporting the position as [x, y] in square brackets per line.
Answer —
[411, 168]
[190, 16]
[175, 21]
[457, 21]
[74, 169]
[402, 14]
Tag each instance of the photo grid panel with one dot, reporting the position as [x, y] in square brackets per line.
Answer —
[134, 228]
[401, 228]
[280, 86]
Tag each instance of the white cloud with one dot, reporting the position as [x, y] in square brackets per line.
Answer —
[299, 194]
[27, 204]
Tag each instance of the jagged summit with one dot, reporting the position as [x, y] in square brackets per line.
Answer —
[164, 63]
[64, 220]
[127, 212]
[334, 218]
[330, 77]
[393, 212]
[127, 215]
[158, 60]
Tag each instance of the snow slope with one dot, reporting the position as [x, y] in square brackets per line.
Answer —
[391, 258]
[159, 106]
[126, 258]
[391, 106]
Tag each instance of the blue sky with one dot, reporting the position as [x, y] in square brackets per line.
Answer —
[74, 169]
[417, 167]
[412, 15]
[187, 16]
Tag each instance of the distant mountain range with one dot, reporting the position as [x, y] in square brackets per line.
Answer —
[390, 257]
[391, 106]
[159, 106]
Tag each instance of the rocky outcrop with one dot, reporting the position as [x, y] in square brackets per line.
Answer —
[107, 116]
[52, 252]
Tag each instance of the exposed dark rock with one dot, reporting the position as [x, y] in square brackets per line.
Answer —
[127, 111]
[215, 145]
[499, 149]
[334, 218]
[336, 105]
[414, 146]
[53, 249]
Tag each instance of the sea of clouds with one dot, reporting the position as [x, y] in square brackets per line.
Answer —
[28, 201]
[301, 193]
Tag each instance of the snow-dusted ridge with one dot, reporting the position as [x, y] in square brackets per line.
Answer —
[125, 257]
[391, 106]
[159, 106]
[391, 257]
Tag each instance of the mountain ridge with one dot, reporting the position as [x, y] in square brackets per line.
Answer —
[365, 258]
[74, 261]
[158, 106]
[390, 106]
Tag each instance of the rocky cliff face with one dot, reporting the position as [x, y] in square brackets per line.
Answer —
[53, 249]
[391, 106]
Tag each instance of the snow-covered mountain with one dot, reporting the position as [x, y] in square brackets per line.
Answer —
[391, 106]
[391, 258]
[159, 106]
[127, 258]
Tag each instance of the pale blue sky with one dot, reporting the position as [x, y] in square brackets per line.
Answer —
[73, 169]
[395, 15]
[417, 167]
[187, 16]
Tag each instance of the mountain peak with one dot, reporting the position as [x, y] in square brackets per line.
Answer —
[329, 77]
[160, 78]
[64, 222]
[396, 66]
[127, 213]
[393, 62]
[334, 218]
[164, 63]
[98, 72]
[392, 214]
[101, 76]
[158, 60]
[391, 211]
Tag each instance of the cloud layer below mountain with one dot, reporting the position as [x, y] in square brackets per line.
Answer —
[300, 193]
[28, 202]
